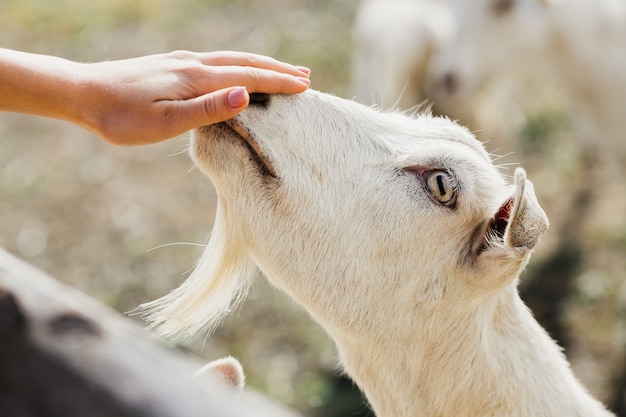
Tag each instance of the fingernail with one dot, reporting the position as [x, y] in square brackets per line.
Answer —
[304, 80]
[237, 97]
[305, 70]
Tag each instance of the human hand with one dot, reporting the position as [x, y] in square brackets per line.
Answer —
[149, 99]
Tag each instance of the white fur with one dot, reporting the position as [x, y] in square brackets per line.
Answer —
[224, 374]
[576, 44]
[421, 299]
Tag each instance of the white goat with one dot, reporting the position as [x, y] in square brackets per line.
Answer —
[394, 40]
[401, 239]
[579, 44]
[394, 43]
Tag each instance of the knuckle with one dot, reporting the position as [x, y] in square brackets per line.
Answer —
[180, 54]
[211, 108]
[247, 57]
[255, 78]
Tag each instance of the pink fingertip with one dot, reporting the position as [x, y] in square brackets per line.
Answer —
[237, 97]
[304, 70]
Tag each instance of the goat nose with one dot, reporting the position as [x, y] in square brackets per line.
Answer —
[260, 99]
[450, 83]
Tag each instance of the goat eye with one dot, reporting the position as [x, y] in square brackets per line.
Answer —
[442, 186]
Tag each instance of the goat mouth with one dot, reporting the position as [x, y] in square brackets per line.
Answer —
[500, 221]
[265, 166]
[495, 228]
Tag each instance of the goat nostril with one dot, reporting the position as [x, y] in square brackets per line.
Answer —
[450, 83]
[260, 99]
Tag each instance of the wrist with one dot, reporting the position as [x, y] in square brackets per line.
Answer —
[37, 84]
[85, 97]
[96, 100]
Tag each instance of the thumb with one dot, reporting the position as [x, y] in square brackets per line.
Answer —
[221, 105]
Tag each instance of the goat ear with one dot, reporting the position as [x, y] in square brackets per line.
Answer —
[517, 225]
[527, 220]
[227, 371]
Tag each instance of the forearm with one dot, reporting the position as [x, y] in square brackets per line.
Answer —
[38, 84]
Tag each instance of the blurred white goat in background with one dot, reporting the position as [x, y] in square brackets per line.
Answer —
[394, 41]
[577, 45]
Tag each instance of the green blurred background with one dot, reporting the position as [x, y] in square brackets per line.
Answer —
[124, 224]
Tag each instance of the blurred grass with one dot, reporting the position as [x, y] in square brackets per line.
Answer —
[315, 34]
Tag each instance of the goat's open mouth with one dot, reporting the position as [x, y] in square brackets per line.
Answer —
[495, 228]
[265, 167]
[500, 221]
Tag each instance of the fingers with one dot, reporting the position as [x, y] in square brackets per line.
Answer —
[208, 109]
[258, 73]
[199, 89]
[256, 80]
[222, 105]
[237, 98]
[264, 81]
[202, 73]
[244, 59]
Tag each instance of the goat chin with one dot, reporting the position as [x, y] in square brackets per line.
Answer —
[399, 236]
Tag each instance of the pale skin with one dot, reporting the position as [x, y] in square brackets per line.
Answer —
[146, 99]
